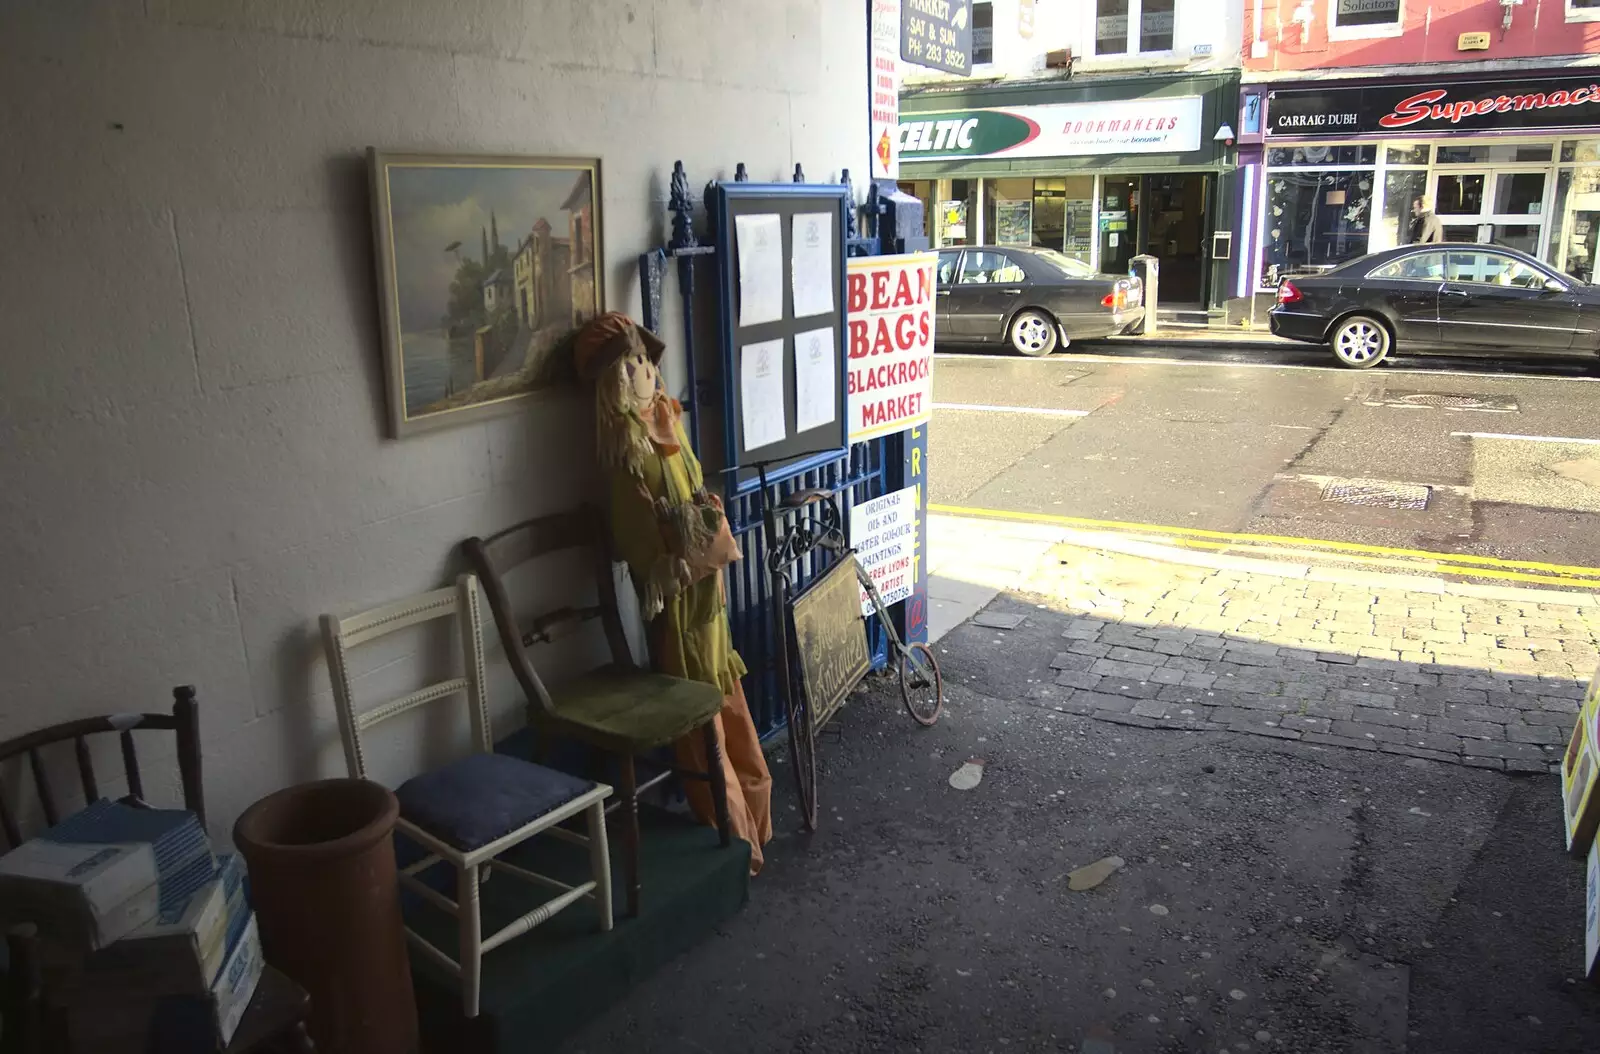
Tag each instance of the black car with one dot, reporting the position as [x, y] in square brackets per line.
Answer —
[1456, 299]
[1037, 299]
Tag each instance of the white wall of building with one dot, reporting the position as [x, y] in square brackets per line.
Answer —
[193, 462]
[1058, 24]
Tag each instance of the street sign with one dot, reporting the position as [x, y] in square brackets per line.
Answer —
[937, 34]
[883, 81]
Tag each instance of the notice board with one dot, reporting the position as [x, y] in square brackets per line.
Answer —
[781, 324]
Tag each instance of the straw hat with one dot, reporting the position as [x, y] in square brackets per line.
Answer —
[609, 337]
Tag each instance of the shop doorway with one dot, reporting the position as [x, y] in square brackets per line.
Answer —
[1174, 231]
[1485, 205]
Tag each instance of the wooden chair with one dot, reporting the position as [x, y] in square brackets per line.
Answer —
[469, 812]
[618, 708]
[184, 721]
[33, 1023]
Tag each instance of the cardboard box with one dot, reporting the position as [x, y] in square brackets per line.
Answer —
[102, 873]
[181, 951]
[129, 1023]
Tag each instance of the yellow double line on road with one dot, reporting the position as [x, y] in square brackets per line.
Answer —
[1532, 571]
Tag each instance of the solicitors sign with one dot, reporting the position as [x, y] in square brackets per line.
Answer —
[1124, 126]
[1427, 107]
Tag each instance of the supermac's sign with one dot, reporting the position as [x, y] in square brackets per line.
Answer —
[1135, 126]
[1422, 106]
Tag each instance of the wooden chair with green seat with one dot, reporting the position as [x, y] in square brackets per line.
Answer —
[619, 708]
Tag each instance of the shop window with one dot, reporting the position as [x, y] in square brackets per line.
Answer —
[1314, 221]
[1406, 153]
[1580, 150]
[1479, 153]
[1460, 195]
[1063, 215]
[1576, 222]
[1583, 10]
[955, 216]
[1133, 27]
[1400, 190]
[982, 32]
[1008, 211]
[1354, 19]
[1321, 155]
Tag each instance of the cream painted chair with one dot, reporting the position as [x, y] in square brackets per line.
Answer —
[471, 811]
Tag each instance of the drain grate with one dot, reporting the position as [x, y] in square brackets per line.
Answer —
[1495, 404]
[1377, 494]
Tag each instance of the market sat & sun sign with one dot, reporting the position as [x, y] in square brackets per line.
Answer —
[1114, 127]
[890, 300]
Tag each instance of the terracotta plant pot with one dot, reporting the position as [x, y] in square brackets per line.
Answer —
[322, 881]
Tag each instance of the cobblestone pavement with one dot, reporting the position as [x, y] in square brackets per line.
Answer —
[1485, 677]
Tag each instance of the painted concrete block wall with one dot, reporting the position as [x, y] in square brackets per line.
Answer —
[192, 454]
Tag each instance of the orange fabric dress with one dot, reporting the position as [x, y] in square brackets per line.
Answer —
[690, 637]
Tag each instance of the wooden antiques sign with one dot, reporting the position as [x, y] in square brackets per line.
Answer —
[831, 639]
[890, 300]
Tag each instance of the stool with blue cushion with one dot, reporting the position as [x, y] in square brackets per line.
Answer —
[471, 811]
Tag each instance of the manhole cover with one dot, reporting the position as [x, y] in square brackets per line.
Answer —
[1495, 404]
[1376, 494]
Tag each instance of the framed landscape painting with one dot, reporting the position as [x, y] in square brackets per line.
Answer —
[486, 266]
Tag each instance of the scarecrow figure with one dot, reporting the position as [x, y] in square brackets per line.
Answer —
[675, 540]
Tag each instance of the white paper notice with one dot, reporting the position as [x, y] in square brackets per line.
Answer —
[760, 268]
[813, 263]
[761, 391]
[815, 397]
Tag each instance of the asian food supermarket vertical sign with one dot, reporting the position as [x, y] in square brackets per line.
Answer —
[890, 302]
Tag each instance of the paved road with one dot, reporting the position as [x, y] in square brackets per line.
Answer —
[1487, 460]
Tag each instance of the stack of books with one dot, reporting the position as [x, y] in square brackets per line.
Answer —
[151, 933]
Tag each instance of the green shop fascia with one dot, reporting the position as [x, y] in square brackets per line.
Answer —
[1102, 168]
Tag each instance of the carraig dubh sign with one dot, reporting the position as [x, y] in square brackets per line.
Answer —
[1424, 107]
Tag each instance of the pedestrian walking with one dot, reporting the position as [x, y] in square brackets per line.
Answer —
[1425, 226]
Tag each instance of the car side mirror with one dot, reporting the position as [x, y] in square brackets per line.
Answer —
[1553, 286]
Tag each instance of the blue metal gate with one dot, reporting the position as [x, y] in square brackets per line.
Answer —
[863, 471]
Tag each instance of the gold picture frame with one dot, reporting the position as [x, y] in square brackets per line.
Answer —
[486, 265]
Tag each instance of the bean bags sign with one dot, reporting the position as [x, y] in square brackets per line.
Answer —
[890, 304]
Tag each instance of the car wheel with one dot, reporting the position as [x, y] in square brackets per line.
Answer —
[1360, 342]
[1033, 333]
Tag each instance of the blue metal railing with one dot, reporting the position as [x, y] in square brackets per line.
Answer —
[750, 611]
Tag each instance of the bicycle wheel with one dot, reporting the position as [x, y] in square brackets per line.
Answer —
[921, 686]
[803, 759]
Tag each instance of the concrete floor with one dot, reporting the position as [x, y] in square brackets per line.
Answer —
[1276, 896]
[1247, 439]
